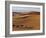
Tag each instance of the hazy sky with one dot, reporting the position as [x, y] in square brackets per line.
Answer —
[24, 9]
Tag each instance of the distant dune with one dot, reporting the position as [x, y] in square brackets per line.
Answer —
[24, 13]
[26, 21]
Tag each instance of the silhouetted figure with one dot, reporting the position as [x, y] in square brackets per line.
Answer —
[22, 25]
[17, 26]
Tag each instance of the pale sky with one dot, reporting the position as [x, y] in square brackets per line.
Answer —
[24, 9]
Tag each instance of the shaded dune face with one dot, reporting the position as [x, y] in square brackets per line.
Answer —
[26, 21]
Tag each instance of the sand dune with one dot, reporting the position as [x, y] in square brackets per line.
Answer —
[26, 21]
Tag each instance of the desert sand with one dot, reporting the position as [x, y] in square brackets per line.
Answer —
[28, 21]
